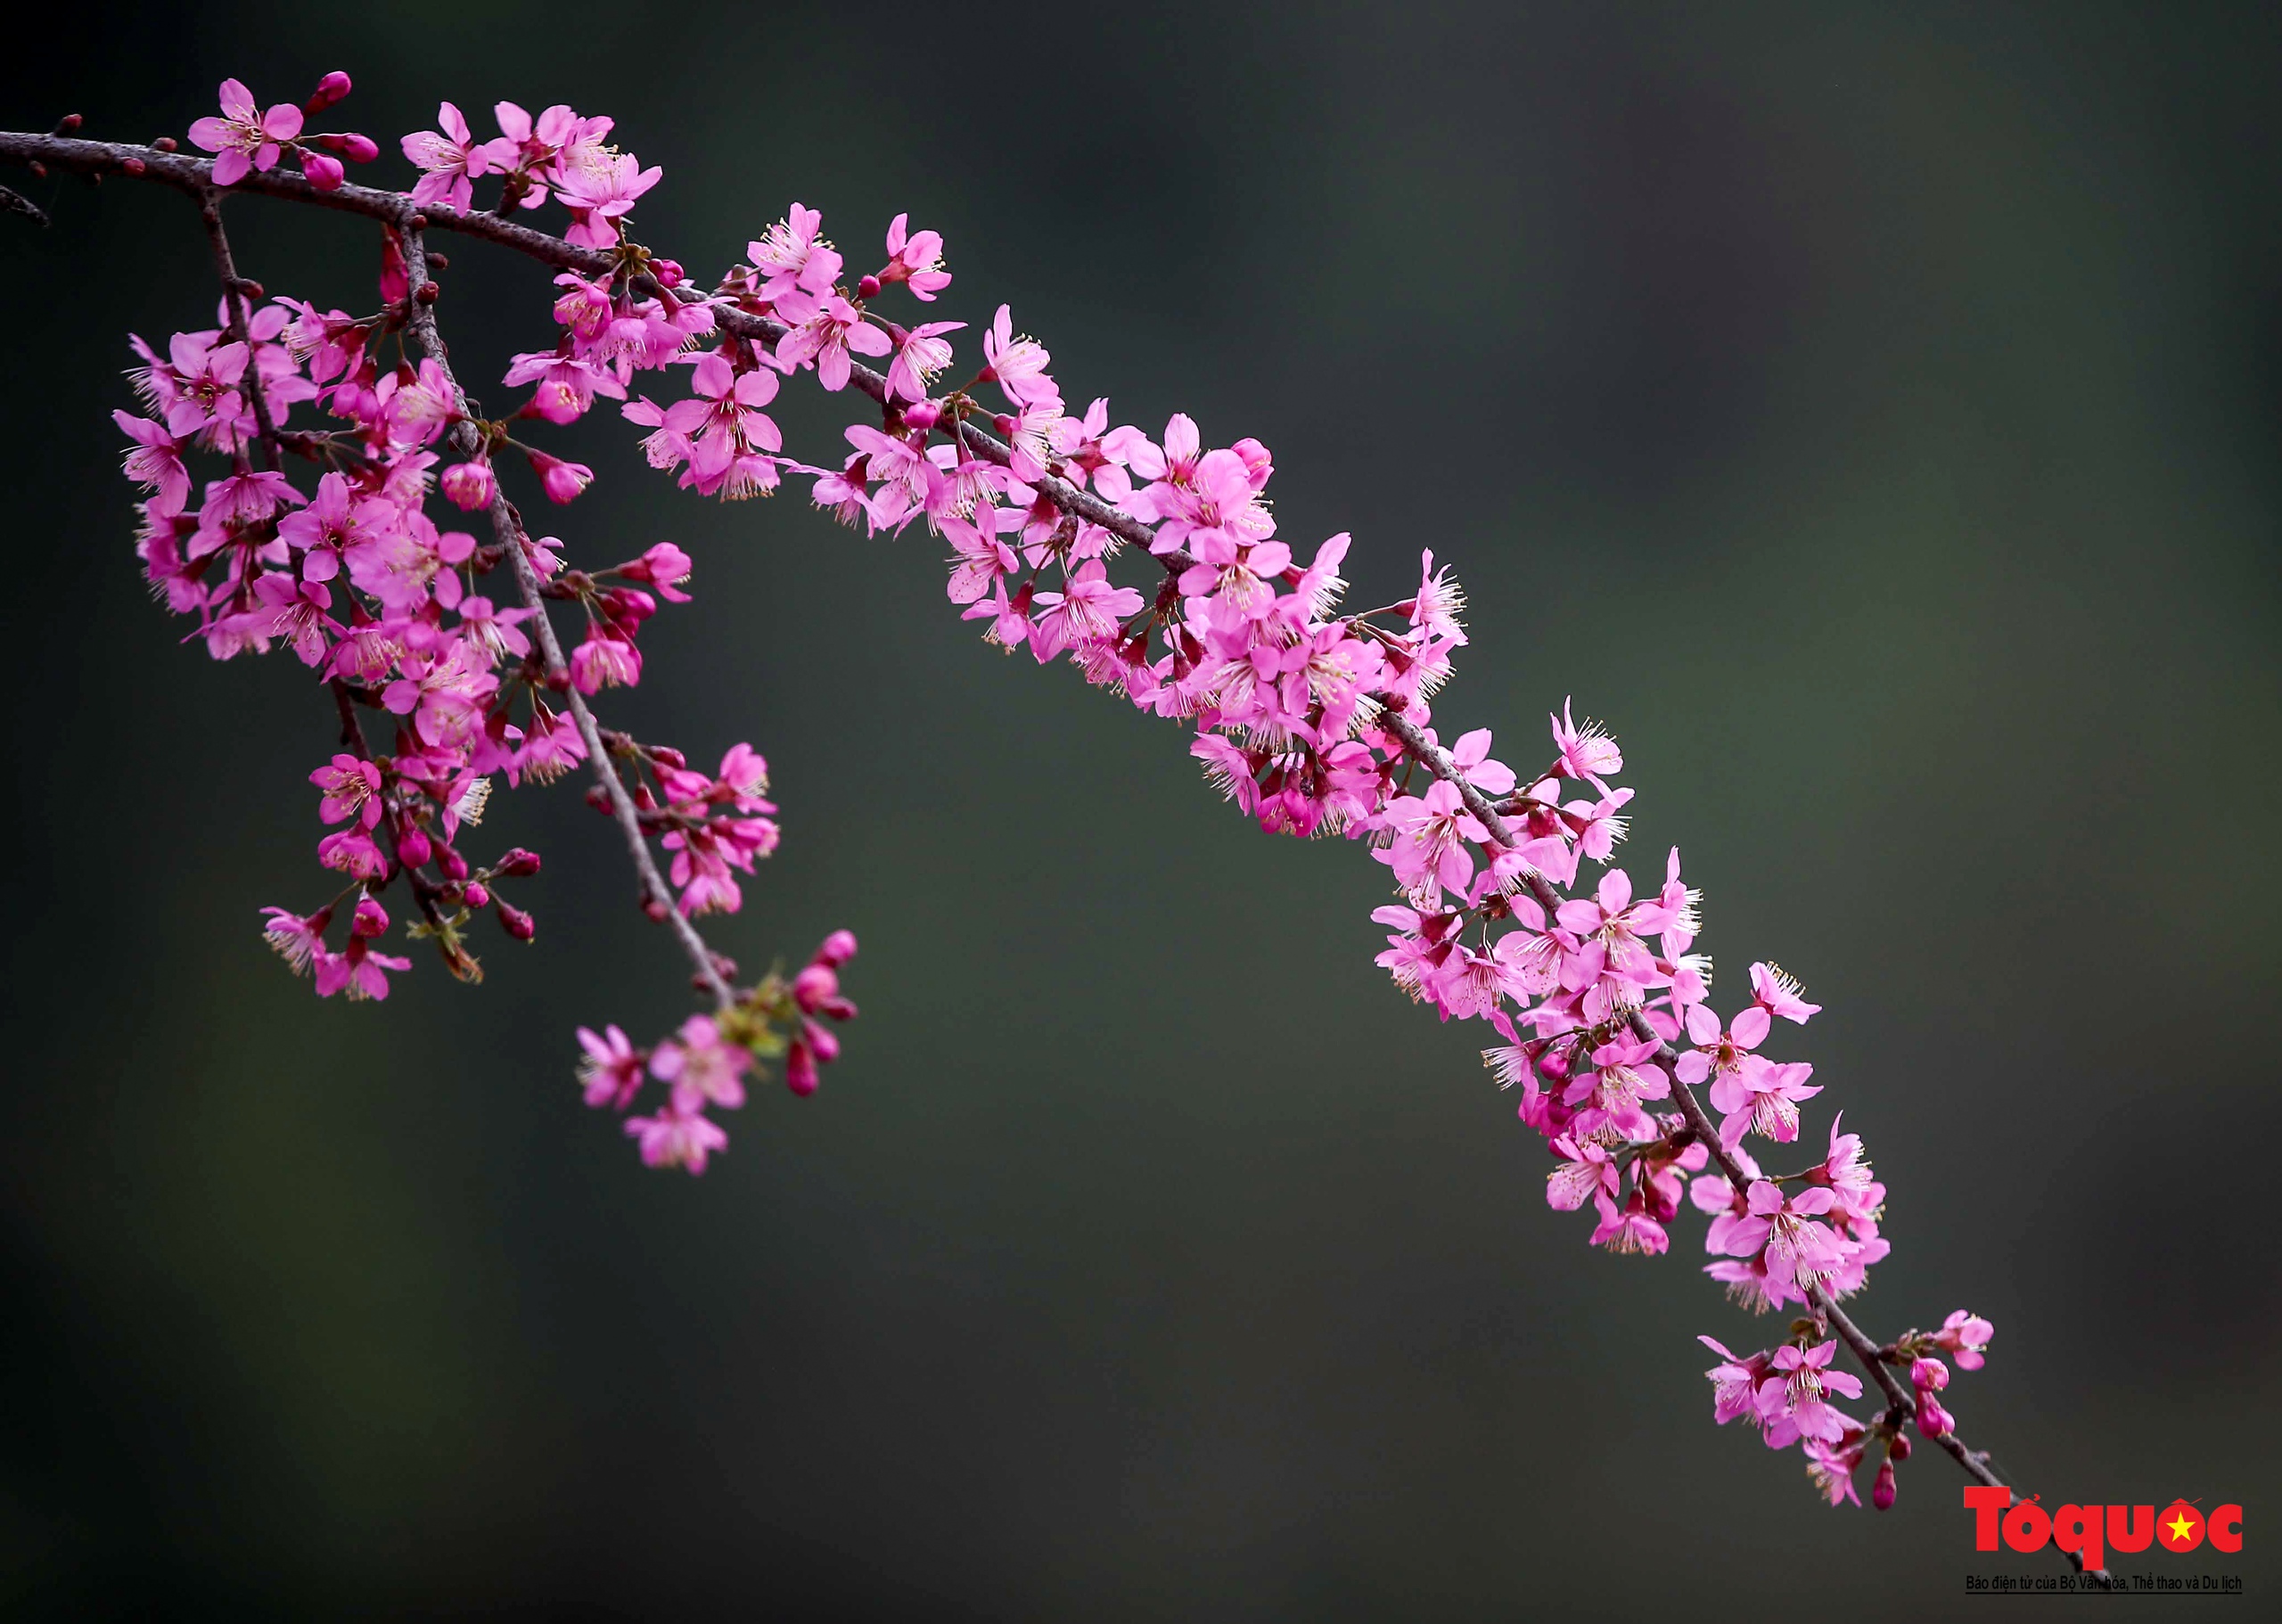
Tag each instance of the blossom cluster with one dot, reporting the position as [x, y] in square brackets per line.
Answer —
[1784, 1394]
[1318, 721]
[356, 567]
[706, 1062]
[1150, 563]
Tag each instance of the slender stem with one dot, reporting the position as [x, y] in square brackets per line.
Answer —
[225, 265]
[657, 899]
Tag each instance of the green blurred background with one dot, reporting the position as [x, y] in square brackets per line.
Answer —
[1871, 413]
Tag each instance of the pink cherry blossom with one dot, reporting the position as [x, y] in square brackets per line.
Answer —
[451, 158]
[244, 139]
[677, 1138]
[916, 259]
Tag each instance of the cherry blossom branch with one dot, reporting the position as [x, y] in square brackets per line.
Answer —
[233, 296]
[96, 158]
[656, 900]
[1316, 722]
[714, 823]
[1876, 1360]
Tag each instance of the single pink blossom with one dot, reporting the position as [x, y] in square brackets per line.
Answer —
[451, 158]
[611, 1070]
[243, 139]
[700, 1067]
[1965, 1335]
[675, 1137]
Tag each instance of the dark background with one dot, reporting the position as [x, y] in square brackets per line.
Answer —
[1872, 414]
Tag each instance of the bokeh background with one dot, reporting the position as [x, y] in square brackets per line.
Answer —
[1870, 411]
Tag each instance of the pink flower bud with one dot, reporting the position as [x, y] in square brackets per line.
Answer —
[358, 149]
[324, 172]
[1931, 1376]
[1933, 1419]
[412, 848]
[922, 414]
[369, 920]
[813, 986]
[333, 87]
[1898, 1446]
[454, 867]
[517, 862]
[867, 287]
[470, 486]
[668, 271]
[517, 923]
[664, 566]
[824, 1040]
[836, 949]
[800, 1070]
[1882, 1490]
[478, 894]
[564, 481]
[396, 278]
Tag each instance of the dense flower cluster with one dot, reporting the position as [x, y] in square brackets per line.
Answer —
[356, 569]
[1315, 719]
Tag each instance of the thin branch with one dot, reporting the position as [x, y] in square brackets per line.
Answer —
[657, 899]
[233, 296]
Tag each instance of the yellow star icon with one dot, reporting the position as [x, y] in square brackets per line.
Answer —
[2180, 1527]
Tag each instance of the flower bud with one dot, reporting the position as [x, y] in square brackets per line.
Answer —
[564, 481]
[813, 986]
[452, 865]
[824, 1040]
[370, 919]
[360, 149]
[1898, 1446]
[1929, 1375]
[517, 862]
[412, 848]
[470, 486]
[922, 414]
[333, 87]
[395, 284]
[837, 948]
[662, 564]
[324, 172]
[478, 894]
[668, 271]
[517, 923]
[800, 1070]
[867, 287]
[1933, 1419]
[1882, 1490]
